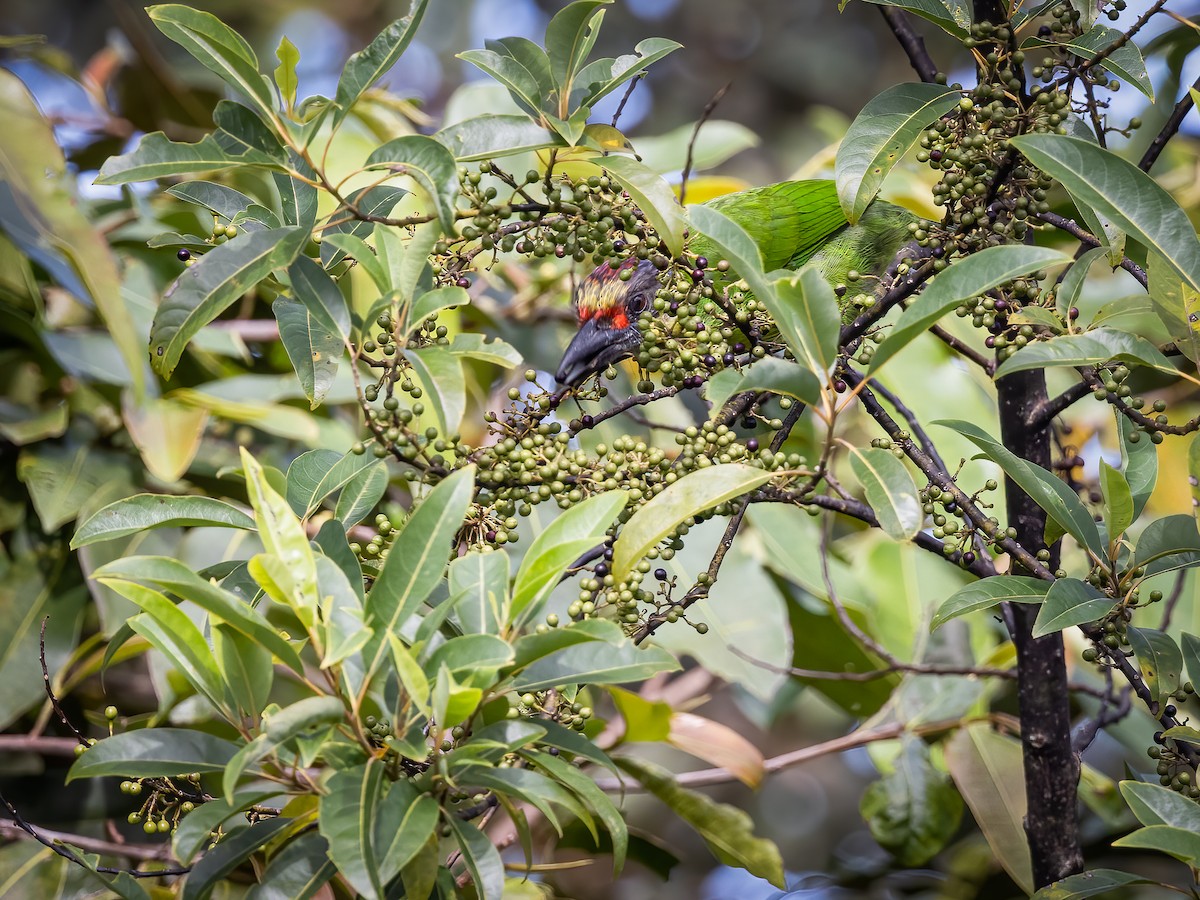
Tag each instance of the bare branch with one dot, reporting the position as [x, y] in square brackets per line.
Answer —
[912, 43]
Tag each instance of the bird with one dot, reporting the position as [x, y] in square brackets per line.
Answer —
[794, 223]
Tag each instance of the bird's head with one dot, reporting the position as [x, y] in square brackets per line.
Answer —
[608, 304]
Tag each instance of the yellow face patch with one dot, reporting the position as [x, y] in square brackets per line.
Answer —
[603, 291]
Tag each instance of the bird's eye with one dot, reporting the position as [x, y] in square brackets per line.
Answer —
[638, 304]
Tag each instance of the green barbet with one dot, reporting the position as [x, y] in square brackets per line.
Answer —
[793, 222]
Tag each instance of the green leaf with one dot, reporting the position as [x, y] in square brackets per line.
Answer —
[347, 815]
[522, 85]
[1118, 500]
[285, 72]
[969, 277]
[284, 538]
[496, 136]
[209, 287]
[585, 788]
[1153, 804]
[595, 662]
[367, 66]
[194, 831]
[405, 822]
[61, 478]
[653, 196]
[144, 511]
[481, 857]
[528, 786]
[216, 198]
[219, 49]
[362, 494]
[886, 129]
[1095, 883]
[1123, 193]
[465, 652]
[297, 199]
[645, 720]
[914, 810]
[1168, 544]
[418, 558]
[429, 164]
[1140, 463]
[1125, 62]
[1191, 654]
[480, 581]
[246, 667]
[890, 491]
[297, 871]
[318, 474]
[440, 374]
[1088, 349]
[153, 752]
[1067, 293]
[156, 156]
[176, 577]
[987, 592]
[1159, 660]
[173, 634]
[1048, 491]
[1070, 602]
[602, 77]
[320, 295]
[778, 376]
[228, 855]
[727, 830]
[478, 346]
[691, 494]
[986, 767]
[806, 311]
[952, 16]
[563, 541]
[570, 37]
[1177, 842]
[453, 702]
[433, 302]
[732, 242]
[313, 348]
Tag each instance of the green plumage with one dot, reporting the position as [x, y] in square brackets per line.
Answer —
[797, 222]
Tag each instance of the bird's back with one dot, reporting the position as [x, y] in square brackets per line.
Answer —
[795, 222]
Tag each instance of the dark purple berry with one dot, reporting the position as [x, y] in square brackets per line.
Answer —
[608, 553]
[660, 574]
[739, 347]
[701, 262]
[1001, 305]
[989, 341]
[1073, 312]
[839, 385]
[601, 570]
[968, 558]
[935, 155]
[587, 421]
[463, 282]
[727, 359]
[184, 254]
[673, 308]
[752, 445]
[491, 537]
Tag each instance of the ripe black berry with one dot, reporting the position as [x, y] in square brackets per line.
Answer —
[752, 445]
[184, 254]
[660, 574]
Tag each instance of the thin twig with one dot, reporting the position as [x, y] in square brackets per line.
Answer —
[964, 349]
[687, 165]
[633, 83]
[912, 43]
[1071, 227]
[1170, 127]
[50, 691]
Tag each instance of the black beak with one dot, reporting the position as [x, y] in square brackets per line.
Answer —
[592, 349]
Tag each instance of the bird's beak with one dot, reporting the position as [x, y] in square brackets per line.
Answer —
[592, 348]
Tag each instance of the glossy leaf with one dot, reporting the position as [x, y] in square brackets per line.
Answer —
[151, 752]
[246, 666]
[914, 810]
[296, 872]
[1070, 602]
[1125, 61]
[156, 156]
[362, 494]
[348, 812]
[216, 198]
[986, 767]
[726, 830]
[587, 791]
[890, 491]
[440, 374]
[312, 347]
[952, 16]
[481, 857]
[1118, 500]
[228, 855]
[496, 136]
[1094, 883]
[1088, 349]
[219, 49]
[968, 277]
[1122, 192]
[691, 494]
[886, 129]
[480, 581]
[1180, 843]
[429, 164]
[367, 66]
[1168, 544]
[1061, 503]
[135, 514]
[1159, 660]
[772, 374]
[570, 37]
[564, 540]
[1140, 460]
[602, 77]
[321, 296]
[418, 558]
[209, 287]
[522, 86]
[987, 592]
[596, 662]
[194, 831]
[1153, 804]
[806, 311]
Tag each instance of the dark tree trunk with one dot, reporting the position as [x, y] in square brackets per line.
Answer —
[1051, 767]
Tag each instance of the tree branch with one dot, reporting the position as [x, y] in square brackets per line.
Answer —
[1169, 129]
[912, 42]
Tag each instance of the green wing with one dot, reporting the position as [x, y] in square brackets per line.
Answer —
[796, 222]
[789, 221]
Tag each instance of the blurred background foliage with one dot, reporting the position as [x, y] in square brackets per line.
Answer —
[76, 434]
